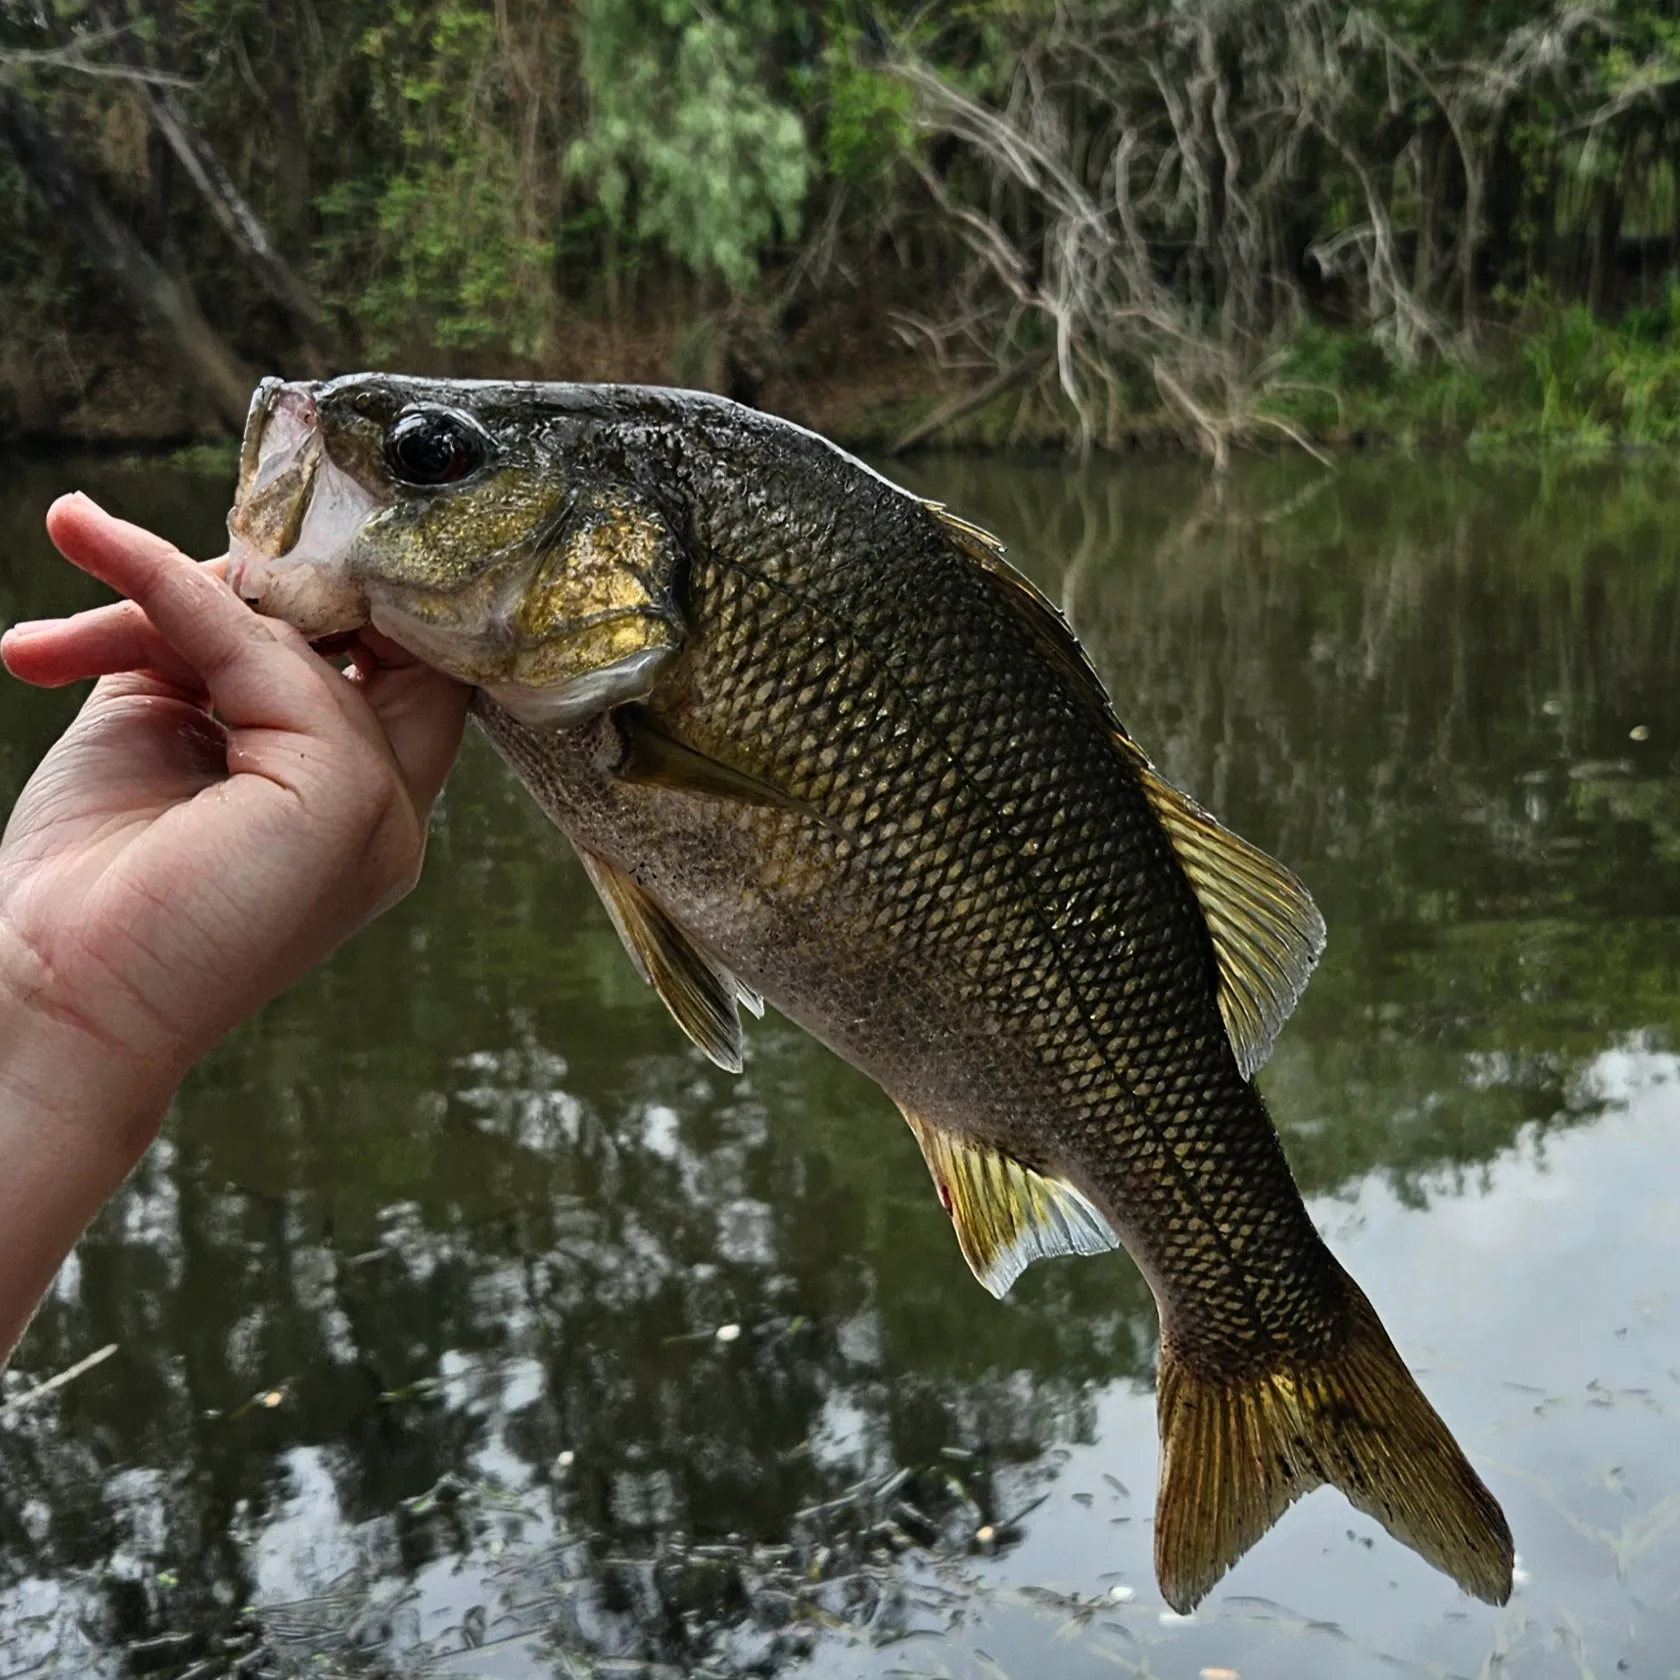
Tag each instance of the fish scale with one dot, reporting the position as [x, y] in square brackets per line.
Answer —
[815, 742]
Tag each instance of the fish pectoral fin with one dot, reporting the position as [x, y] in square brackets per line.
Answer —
[1006, 1215]
[1238, 1447]
[1267, 932]
[701, 993]
[656, 758]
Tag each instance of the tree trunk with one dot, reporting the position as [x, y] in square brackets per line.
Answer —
[1433, 143]
[1674, 235]
[223, 379]
[1470, 245]
[216, 187]
[154, 213]
[281, 73]
[238, 220]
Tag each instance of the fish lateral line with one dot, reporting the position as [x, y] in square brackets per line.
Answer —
[1267, 933]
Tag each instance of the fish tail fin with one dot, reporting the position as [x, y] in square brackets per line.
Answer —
[1236, 1452]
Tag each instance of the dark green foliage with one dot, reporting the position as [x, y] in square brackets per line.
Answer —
[1229, 220]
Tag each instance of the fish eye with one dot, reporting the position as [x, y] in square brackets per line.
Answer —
[435, 447]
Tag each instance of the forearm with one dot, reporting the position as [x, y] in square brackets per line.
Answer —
[75, 1117]
[53, 1179]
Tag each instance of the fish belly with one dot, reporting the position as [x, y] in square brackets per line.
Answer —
[748, 892]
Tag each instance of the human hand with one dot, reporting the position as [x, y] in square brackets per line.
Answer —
[226, 809]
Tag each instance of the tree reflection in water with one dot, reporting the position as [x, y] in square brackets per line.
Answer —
[418, 1305]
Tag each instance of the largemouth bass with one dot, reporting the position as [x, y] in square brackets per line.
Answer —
[816, 742]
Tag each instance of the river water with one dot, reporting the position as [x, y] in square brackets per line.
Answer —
[469, 1323]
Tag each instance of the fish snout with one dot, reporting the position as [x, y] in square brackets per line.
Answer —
[295, 517]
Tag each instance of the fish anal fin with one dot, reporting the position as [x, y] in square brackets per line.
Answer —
[1006, 1214]
[1238, 1450]
[656, 758]
[1267, 932]
[700, 993]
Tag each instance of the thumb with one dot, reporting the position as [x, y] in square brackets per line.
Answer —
[423, 714]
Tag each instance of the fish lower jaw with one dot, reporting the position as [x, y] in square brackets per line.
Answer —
[313, 600]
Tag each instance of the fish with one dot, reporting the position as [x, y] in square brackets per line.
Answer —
[817, 742]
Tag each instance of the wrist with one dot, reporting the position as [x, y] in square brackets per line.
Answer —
[70, 1067]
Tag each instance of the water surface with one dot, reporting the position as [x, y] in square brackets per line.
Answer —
[417, 1303]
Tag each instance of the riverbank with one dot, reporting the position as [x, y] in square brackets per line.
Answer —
[1547, 376]
[843, 376]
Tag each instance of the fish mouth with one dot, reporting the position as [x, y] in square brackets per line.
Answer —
[295, 518]
[556, 682]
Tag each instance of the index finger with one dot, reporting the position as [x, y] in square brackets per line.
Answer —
[96, 643]
[248, 669]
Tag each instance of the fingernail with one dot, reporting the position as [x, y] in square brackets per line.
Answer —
[37, 626]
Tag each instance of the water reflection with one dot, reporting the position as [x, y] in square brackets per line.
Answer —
[418, 1304]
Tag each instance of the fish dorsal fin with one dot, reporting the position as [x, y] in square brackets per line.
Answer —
[1267, 932]
[701, 994]
[1037, 615]
[1006, 1215]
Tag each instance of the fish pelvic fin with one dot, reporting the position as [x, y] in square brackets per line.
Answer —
[1237, 1451]
[701, 994]
[1006, 1215]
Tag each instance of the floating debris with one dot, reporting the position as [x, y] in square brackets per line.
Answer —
[1640, 732]
[321, 1615]
[893, 1483]
[41, 1390]
[422, 1388]
[167, 1650]
[728, 1332]
[882, 1562]
[264, 1400]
